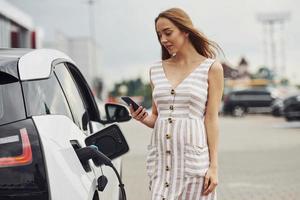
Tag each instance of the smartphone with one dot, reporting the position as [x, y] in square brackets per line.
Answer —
[129, 101]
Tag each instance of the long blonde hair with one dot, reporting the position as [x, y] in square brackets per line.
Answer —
[182, 21]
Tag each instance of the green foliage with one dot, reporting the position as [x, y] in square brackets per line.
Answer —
[263, 73]
[284, 81]
[134, 88]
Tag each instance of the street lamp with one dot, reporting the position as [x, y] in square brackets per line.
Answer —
[270, 20]
[92, 19]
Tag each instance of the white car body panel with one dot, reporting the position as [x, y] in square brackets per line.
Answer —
[67, 178]
[111, 191]
[37, 64]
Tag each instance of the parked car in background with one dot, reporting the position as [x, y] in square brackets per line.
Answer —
[240, 102]
[47, 113]
[277, 107]
[291, 108]
[282, 93]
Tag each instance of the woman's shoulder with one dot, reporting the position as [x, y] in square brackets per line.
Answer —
[155, 65]
[216, 68]
[168, 61]
[216, 64]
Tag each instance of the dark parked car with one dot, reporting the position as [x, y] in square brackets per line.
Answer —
[277, 107]
[239, 102]
[291, 108]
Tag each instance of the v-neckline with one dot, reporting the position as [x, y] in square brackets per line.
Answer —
[181, 82]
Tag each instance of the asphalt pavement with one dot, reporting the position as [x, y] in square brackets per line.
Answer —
[258, 159]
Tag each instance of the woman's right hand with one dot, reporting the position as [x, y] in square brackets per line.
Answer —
[140, 114]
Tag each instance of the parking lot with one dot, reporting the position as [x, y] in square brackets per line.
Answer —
[258, 159]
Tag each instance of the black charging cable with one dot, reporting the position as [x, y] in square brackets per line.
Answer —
[89, 152]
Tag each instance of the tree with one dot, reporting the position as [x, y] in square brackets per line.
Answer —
[135, 87]
[264, 73]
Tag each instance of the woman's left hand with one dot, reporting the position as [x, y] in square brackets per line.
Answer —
[210, 181]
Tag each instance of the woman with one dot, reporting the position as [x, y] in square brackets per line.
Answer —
[187, 88]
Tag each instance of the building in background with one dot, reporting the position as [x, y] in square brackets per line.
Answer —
[238, 77]
[16, 28]
[241, 71]
[84, 52]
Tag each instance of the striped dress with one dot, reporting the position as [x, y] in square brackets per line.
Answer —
[178, 155]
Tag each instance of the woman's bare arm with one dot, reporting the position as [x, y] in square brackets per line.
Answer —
[151, 119]
[215, 92]
[211, 121]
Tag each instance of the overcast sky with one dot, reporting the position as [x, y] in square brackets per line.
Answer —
[126, 35]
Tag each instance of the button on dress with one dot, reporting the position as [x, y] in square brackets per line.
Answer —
[178, 155]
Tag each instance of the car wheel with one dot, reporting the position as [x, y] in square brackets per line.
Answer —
[238, 111]
[287, 118]
[276, 112]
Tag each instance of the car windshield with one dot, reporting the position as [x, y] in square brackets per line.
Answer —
[1, 104]
[11, 100]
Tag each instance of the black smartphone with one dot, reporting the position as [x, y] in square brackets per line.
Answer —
[129, 101]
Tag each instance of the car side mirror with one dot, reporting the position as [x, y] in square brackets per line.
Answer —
[109, 141]
[116, 113]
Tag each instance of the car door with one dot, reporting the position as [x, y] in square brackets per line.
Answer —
[60, 133]
[265, 98]
[82, 104]
[70, 77]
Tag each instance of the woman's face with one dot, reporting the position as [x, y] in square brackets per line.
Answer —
[169, 35]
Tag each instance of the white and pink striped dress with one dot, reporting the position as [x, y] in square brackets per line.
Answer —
[178, 155]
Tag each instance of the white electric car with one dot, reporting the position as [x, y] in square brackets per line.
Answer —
[47, 112]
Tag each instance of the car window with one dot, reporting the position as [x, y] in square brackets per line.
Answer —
[251, 95]
[264, 93]
[1, 103]
[73, 96]
[11, 103]
[11, 99]
[265, 96]
[45, 97]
